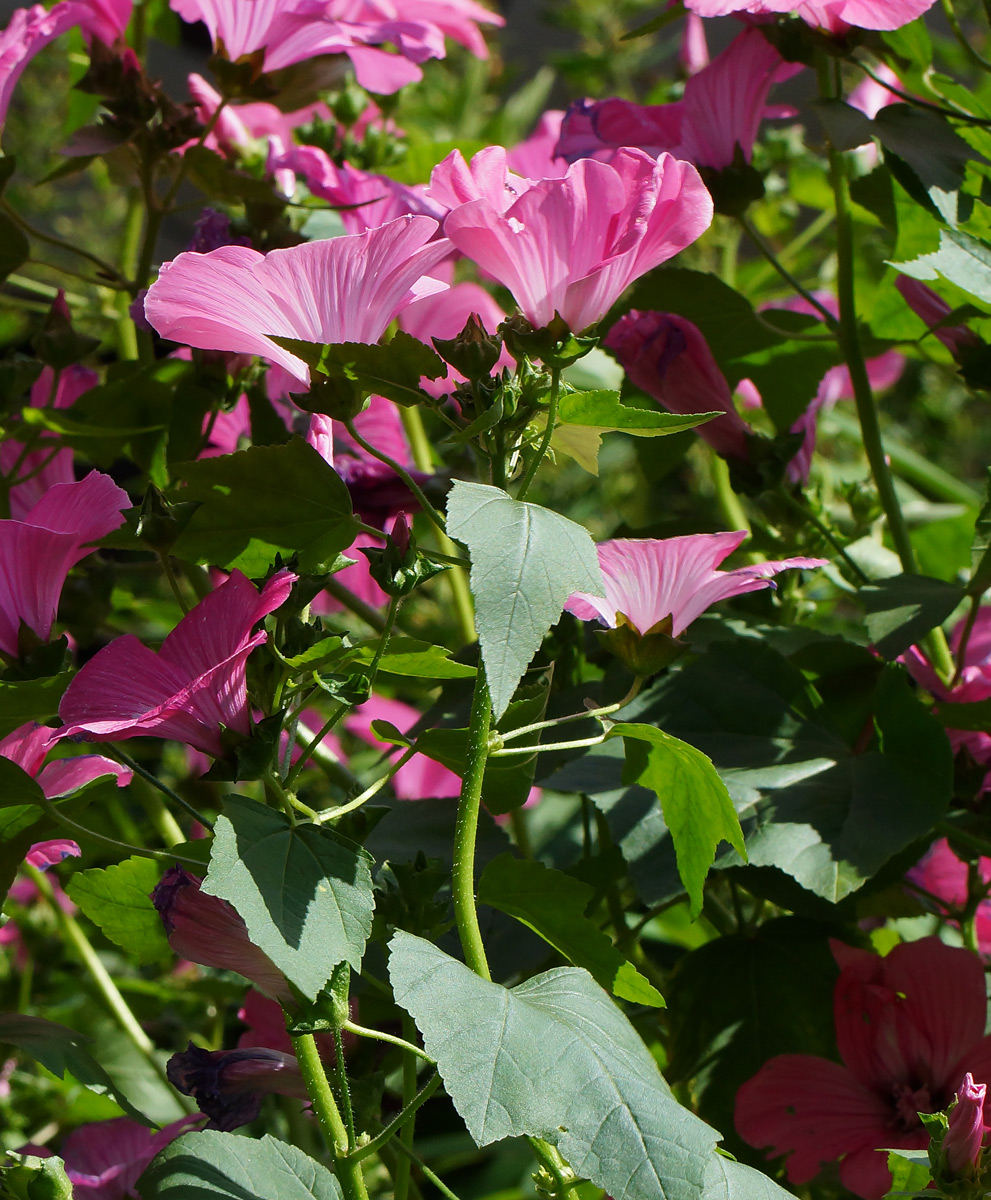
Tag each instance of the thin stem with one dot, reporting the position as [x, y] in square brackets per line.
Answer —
[403, 474]
[807, 514]
[115, 752]
[958, 114]
[306, 751]
[397, 1123]
[797, 243]
[401, 1175]
[595, 713]
[370, 791]
[346, 597]
[105, 985]
[577, 744]
[167, 827]
[173, 583]
[968, 629]
[545, 441]
[82, 832]
[466, 828]
[970, 840]
[951, 17]
[110, 271]
[429, 1175]
[378, 1036]
[786, 275]
[329, 1116]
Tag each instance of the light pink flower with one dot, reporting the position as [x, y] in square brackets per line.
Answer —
[721, 111]
[908, 1027]
[105, 1159]
[105, 20]
[648, 579]
[291, 31]
[37, 553]
[693, 50]
[40, 469]
[191, 687]
[536, 156]
[419, 779]
[454, 182]
[444, 316]
[28, 33]
[965, 1135]
[572, 245]
[668, 358]
[346, 289]
[835, 16]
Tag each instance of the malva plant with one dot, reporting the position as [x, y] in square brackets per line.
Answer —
[494, 670]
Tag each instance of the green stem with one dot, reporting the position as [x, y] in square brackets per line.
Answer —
[332, 814]
[345, 1090]
[173, 583]
[590, 713]
[165, 824]
[545, 441]
[797, 244]
[378, 1036]
[398, 1122]
[401, 1175]
[948, 830]
[466, 829]
[41, 236]
[565, 1180]
[730, 507]
[81, 831]
[785, 274]
[105, 985]
[951, 17]
[307, 751]
[329, 1116]
[968, 629]
[343, 595]
[403, 474]
[429, 1175]
[115, 752]
[807, 514]
[577, 744]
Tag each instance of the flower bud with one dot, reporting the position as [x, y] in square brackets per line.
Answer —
[965, 1134]
[228, 1085]
[474, 352]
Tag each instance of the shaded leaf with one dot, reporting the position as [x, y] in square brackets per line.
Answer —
[198, 1166]
[264, 501]
[553, 1058]
[525, 562]
[304, 894]
[902, 609]
[553, 905]
[421, 660]
[14, 246]
[606, 413]
[960, 259]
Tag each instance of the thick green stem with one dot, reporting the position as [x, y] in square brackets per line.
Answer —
[565, 1182]
[329, 1115]
[466, 829]
[109, 991]
[730, 507]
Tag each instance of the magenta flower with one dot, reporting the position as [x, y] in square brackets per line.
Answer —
[105, 1159]
[207, 930]
[572, 245]
[908, 1027]
[944, 878]
[29, 32]
[650, 579]
[668, 358]
[965, 1135]
[37, 553]
[192, 688]
[933, 309]
[346, 289]
[717, 118]
[834, 16]
[229, 1085]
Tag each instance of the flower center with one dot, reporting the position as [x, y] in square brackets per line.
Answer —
[909, 1103]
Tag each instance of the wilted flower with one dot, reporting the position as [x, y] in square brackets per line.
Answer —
[229, 1085]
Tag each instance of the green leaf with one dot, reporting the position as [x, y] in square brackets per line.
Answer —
[727, 1179]
[265, 501]
[118, 900]
[606, 413]
[697, 808]
[553, 905]
[17, 787]
[392, 370]
[525, 562]
[421, 660]
[815, 800]
[60, 1050]
[911, 1172]
[304, 893]
[553, 1058]
[927, 142]
[980, 574]
[902, 609]
[960, 259]
[974, 716]
[847, 127]
[225, 1166]
[14, 246]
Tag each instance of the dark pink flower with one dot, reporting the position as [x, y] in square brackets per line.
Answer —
[421, 777]
[668, 358]
[835, 16]
[105, 1159]
[346, 289]
[37, 552]
[229, 1085]
[933, 309]
[650, 579]
[908, 1027]
[965, 1135]
[572, 245]
[207, 930]
[945, 878]
[192, 688]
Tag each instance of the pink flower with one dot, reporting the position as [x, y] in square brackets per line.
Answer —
[965, 1135]
[718, 117]
[649, 579]
[346, 289]
[536, 156]
[908, 1027]
[835, 16]
[421, 777]
[668, 358]
[945, 878]
[191, 688]
[933, 309]
[454, 182]
[208, 931]
[23, 892]
[40, 468]
[29, 32]
[37, 553]
[290, 31]
[444, 316]
[572, 245]
[27, 746]
[105, 20]
[105, 1159]
[693, 51]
